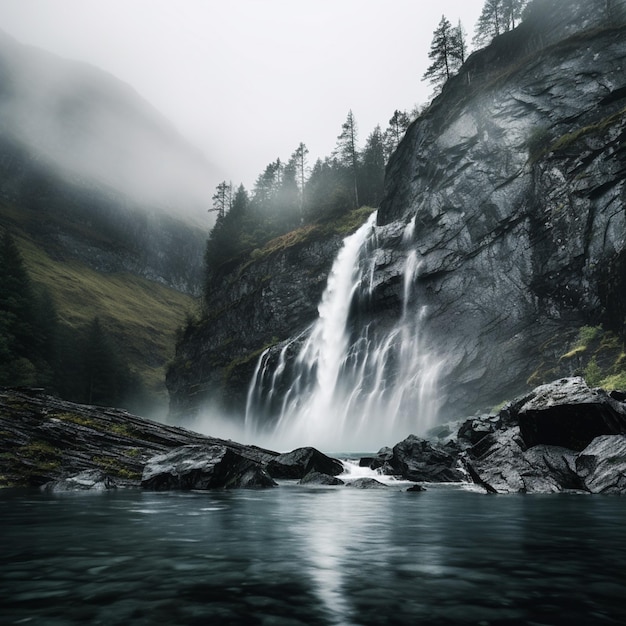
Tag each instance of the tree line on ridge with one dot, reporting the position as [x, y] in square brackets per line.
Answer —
[289, 194]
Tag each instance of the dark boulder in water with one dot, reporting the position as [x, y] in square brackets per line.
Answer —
[366, 483]
[424, 461]
[317, 478]
[602, 465]
[204, 467]
[299, 462]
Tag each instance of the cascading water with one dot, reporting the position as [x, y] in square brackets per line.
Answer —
[342, 385]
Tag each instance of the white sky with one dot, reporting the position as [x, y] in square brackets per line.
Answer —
[248, 80]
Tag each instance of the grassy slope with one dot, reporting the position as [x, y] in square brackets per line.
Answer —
[141, 315]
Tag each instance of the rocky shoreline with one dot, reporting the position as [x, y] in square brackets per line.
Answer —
[561, 437]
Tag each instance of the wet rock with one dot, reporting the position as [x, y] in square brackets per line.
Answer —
[89, 480]
[380, 461]
[317, 478]
[46, 439]
[474, 429]
[366, 483]
[502, 464]
[416, 488]
[568, 413]
[423, 461]
[299, 462]
[204, 467]
[602, 465]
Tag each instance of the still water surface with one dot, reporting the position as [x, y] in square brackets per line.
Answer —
[296, 555]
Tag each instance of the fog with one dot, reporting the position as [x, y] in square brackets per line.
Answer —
[89, 125]
[245, 80]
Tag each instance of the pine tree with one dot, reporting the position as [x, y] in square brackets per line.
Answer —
[222, 199]
[347, 152]
[299, 157]
[458, 47]
[497, 17]
[372, 171]
[513, 11]
[440, 54]
[398, 125]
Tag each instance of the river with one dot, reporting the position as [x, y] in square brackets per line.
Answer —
[298, 555]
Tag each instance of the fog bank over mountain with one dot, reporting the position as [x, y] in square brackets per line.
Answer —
[97, 130]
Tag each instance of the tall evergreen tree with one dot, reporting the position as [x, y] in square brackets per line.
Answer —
[398, 125]
[222, 199]
[497, 17]
[347, 151]
[491, 22]
[372, 171]
[458, 47]
[441, 68]
[513, 11]
[299, 158]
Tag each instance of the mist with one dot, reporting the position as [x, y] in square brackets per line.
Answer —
[246, 80]
[93, 128]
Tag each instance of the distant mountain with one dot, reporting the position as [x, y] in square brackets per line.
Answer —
[90, 125]
[93, 172]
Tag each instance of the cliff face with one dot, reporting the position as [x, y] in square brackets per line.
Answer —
[251, 305]
[514, 180]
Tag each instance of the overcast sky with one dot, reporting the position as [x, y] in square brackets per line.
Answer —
[248, 80]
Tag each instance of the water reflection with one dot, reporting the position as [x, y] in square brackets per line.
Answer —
[295, 556]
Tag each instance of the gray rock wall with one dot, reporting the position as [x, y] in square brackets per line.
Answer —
[514, 177]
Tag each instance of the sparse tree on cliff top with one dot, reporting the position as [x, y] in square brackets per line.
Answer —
[441, 54]
[347, 152]
[458, 48]
[497, 17]
[395, 131]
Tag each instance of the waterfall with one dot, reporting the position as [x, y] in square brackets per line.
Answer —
[344, 385]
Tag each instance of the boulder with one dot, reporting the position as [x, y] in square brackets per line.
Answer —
[366, 483]
[416, 488]
[501, 463]
[381, 460]
[474, 429]
[317, 478]
[299, 462]
[204, 467]
[89, 480]
[602, 465]
[423, 461]
[568, 413]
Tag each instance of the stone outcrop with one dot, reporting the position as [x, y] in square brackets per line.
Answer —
[514, 181]
[301, 462]
[44, 440]
[567, 413]
[515, 177]
[420, 461]
[318, 478]
[602, 465]
[204, 467]
[552, 453]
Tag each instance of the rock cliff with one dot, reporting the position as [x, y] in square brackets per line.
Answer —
[252, 305]
[512, 185]
[515, 180]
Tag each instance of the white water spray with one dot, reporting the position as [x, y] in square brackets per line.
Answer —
[349, 387]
